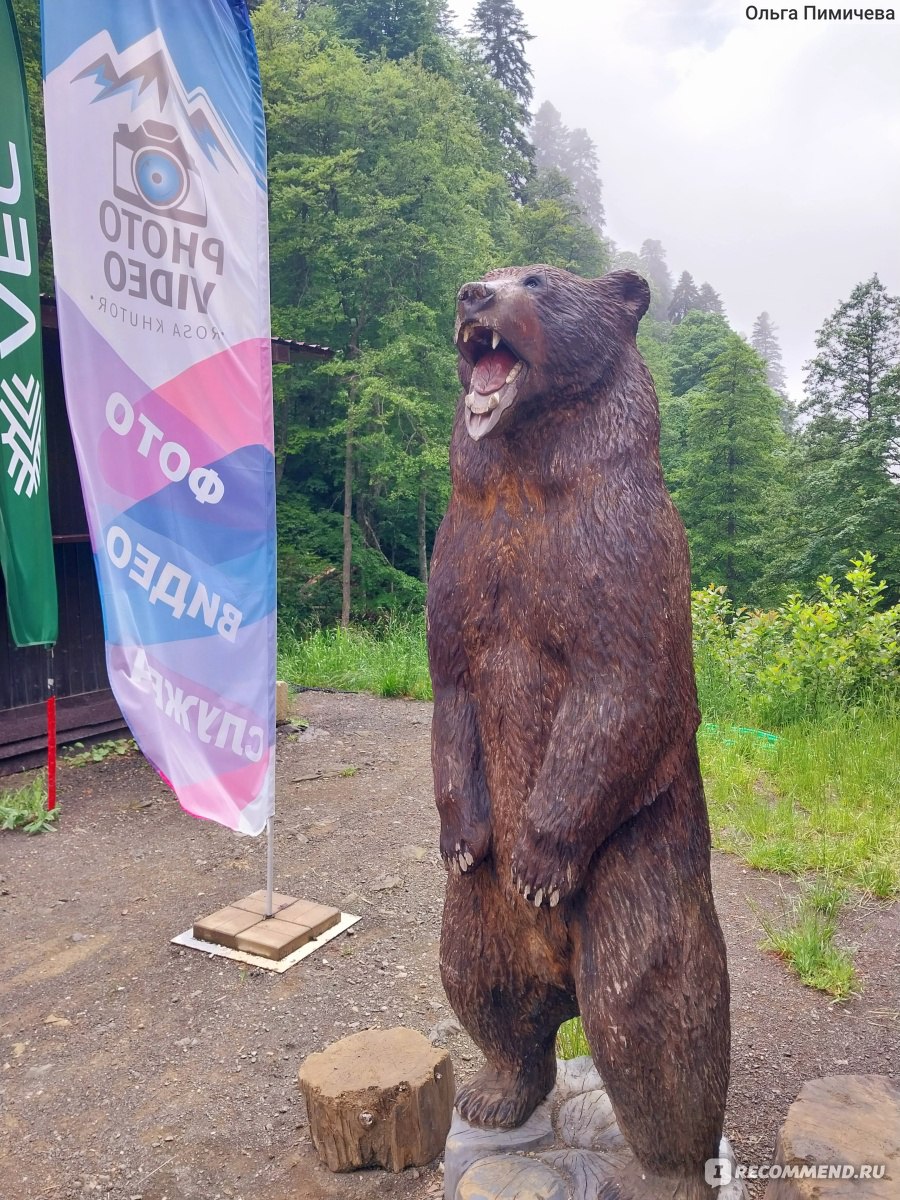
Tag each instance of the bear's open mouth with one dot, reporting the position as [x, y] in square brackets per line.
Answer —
[497, 374]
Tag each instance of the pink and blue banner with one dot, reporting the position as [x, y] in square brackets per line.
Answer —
[157, 176]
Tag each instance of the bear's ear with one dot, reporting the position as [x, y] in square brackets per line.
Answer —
[630, 290]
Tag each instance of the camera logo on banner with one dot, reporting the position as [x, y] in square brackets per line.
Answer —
[162, 264]
[153, 170]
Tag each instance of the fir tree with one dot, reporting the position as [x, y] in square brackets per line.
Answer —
[501, 34]
[500, 38]
[445, 20]
[695, 344]
[583, 168]
[573, 154]
[654, 266]
[550, 138]
[709, 300]
[685, 298]
[849, 470]
[764, 341]
[851, 377]
[395, 28]
[732, 466]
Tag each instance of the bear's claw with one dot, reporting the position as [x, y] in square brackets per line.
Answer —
[464, 847]
[542, 873]
[460, 859]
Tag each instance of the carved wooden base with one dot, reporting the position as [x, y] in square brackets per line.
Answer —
[569, 1149]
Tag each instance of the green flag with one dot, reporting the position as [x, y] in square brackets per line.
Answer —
[26, 546]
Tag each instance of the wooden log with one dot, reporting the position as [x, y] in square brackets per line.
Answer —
[383, 1097]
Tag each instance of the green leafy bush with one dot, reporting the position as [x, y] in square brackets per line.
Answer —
[804, 660]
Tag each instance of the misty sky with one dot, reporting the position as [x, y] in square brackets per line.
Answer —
[764, 155]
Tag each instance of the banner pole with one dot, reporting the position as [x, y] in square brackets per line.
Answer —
[270, 863]
[51, 733]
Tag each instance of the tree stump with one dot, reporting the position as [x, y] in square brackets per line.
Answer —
[381, 1097]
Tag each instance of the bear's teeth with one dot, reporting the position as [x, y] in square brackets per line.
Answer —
[513, 372]
[493, 402]
[495, 340]
[479, 409]
[467, 331]
[538, 897]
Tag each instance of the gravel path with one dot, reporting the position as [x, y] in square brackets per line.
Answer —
[130, 1067]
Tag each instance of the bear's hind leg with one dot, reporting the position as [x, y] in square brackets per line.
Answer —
[491, 967]
[652, 984]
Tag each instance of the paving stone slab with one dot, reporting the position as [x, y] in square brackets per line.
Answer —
[273, 939]
[224, 926]
[256, 902]
[316, 917]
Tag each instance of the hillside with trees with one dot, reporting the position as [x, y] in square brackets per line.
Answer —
[404, 159]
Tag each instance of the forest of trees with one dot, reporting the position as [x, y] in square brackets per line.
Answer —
[403, 160]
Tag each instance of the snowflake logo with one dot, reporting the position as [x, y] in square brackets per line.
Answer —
[20, 404]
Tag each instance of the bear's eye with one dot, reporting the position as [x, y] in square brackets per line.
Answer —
[532, 281]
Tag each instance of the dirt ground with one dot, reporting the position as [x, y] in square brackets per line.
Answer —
[132, 1068]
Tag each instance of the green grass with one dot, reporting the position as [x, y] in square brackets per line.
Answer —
[26, 807]
[389, 660]
[804, 937]
[570, 1040]
[823, 798]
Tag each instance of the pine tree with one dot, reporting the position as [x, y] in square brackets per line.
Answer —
[654, 266]
[573, 154]
[501, 34]
[849, 467]
[731, 471]
[550, 138]
[583, 168]
[709, 300]
[500, 38]
[764, 341]
[685, 298]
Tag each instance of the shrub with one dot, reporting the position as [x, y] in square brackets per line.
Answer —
[808, 658]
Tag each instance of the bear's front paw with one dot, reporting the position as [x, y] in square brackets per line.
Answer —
[464, 849]
[544, 871]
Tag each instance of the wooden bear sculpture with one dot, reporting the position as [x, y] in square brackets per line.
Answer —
[573, 820]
